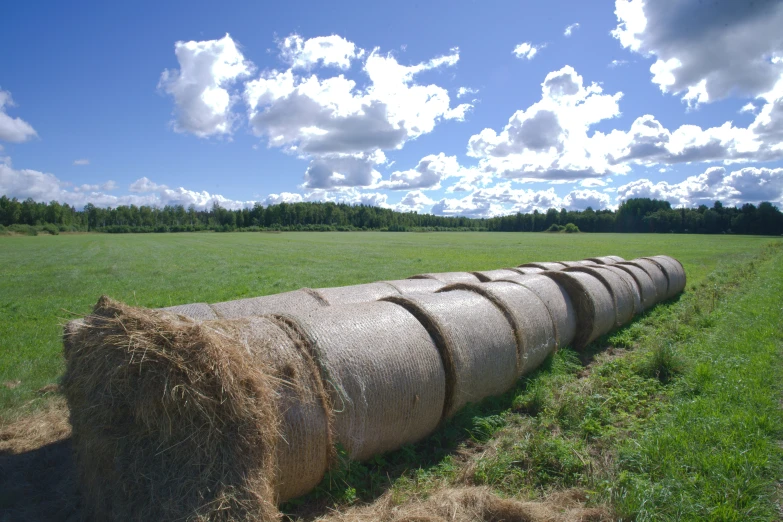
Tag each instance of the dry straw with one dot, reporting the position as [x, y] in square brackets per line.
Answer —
[570, 264]
[633, 286]
[557, 301]
[356, 293]
[416, 286]
[300, 301]
[475, 339]
[592, 302]
[200, 311]
[528, 316]
[647, 292]
[449, 277]
[546, 265]
[622, 294]
[496, 275]
[674, 272]
[656, 274]
[605, 260]
[528, 270]
[385, 377]
[172, 419]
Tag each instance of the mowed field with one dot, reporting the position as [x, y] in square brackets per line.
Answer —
[47, 280]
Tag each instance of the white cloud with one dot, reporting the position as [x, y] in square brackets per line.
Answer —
[81, 162]
[748, 107]
[144, 185]
[527, 50]
[617, 63]
[705, 51]
[465, 91]
[15, 130]
[414, 201]
[202, 86]
[428, 174]
[329, 51]
[570, 29]
[349, 196]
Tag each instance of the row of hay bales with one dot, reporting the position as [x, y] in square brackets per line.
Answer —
[222, 411]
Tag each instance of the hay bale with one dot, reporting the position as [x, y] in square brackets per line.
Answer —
[200, 311]
[528, 270]
[605, 260]
[495, 275]
[546, 265]
[674, 272]
[569, 264]
[172, 419]
[644, 283]
[449, 277]
[655, 272]
[299, 301]
[385, 377]
[475, 340]
[636, 293]
[616, 259]
[593, 304]
[416, 286]
[626, 296]
[529, 317]
[557, 302]
[355, 293]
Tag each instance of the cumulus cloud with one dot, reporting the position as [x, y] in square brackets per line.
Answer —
[466, 91]
[81, 162]
[705, 51]
[329, 51]
[350, 196]
[414, 201]
[144, 185]
[428, 174]
[527, 50]
[202, 87]
[15, 130]
[570, 29]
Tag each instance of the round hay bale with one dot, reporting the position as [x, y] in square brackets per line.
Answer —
[385, 377]
[528, 270]
[300, 301]
[495, 275]
[592, 303]
[449, 277]
[674, 272]
[528, 316]
[605, 260]
[200, 311]
[655, 272]
[622, 294]
[356, 293]
[644, 283]
[616, 259]
[572, 263]
[171, 419]
[636, 294]
[416, 286]
[557, 302]
[475, 340]
[546, 265]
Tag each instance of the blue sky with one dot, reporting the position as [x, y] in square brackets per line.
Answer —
[457, 108]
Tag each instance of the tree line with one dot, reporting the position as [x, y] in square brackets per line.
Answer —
[634, 215]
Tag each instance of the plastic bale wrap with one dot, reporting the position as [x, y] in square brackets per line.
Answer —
[655, 272]
[675, 274]
[546, 265]
[172, 418]
[636, 293]
[416, 286]
[527, 314]
[558, 304]
[592, 302]
[622, 294]
[200, 311]
[647, 292]
[300, 301]
[496, 275]
[383, 373]
[449, 277]
[476, 342]
[355, 293]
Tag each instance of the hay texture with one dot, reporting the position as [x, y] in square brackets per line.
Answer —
[592, 303]
[527, 314]
[496, 275]
[675, 274]
[355, 293]
[622, 294]
[605, 260]
[298, 301]
[449, 277]
[385, 377]
[557, 301]
[647, 292]
[416, 286]
[655, 272]
[200, 311]
[171, 419]
[528, 270]
[546, 265]
[636, 293]
[570, 264]
[476, 342]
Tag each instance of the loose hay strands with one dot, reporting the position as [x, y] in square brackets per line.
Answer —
[557, 302]
[533, 326]
[495, 275]
[592, 302]
[385, 377]
[171, 418]
[636, 293]
[200, 311]
[416, 286]
[622, 294]
[674, 271]
[546, 265]
[655, 272]
[475, 340]
[605, 260]
[449, 277]
[303, 300]
[356, 293]
[645, 284]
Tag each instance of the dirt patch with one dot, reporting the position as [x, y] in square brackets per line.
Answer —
[12, 384]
